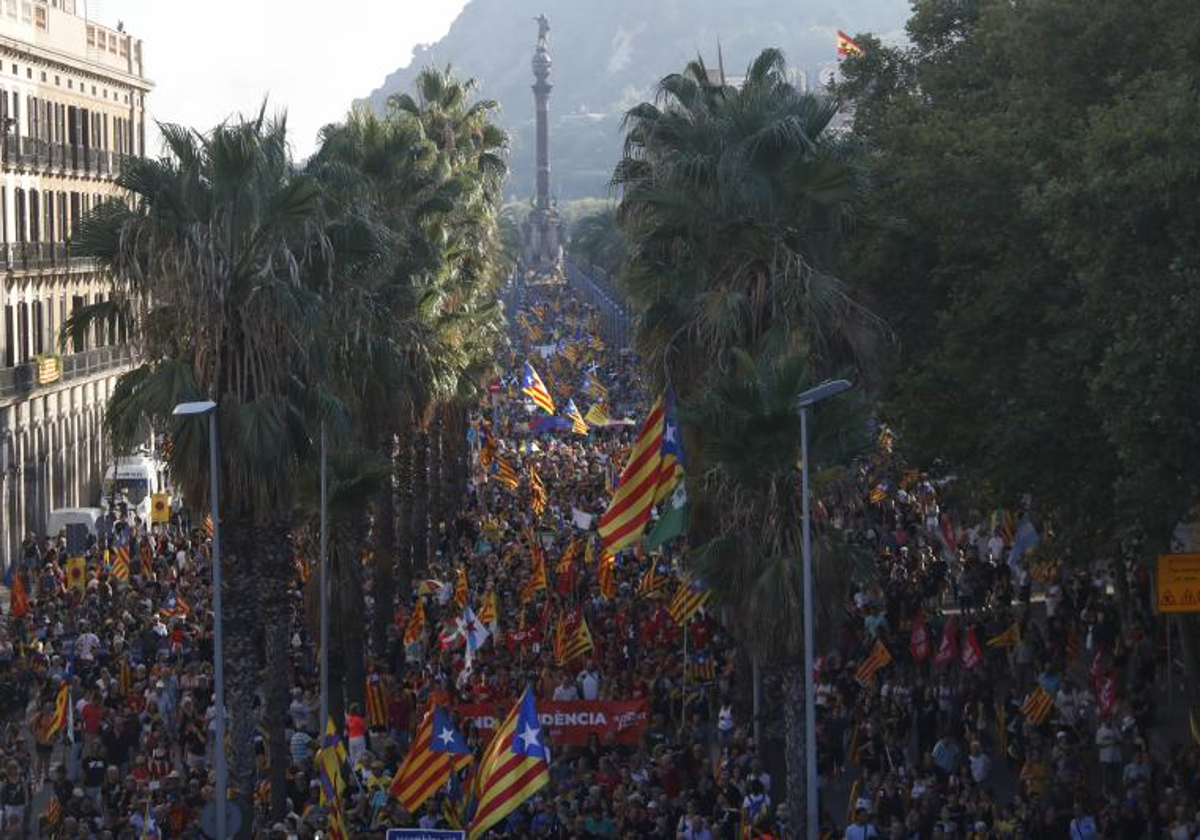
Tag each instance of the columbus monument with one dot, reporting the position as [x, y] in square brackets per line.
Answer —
[543, 231]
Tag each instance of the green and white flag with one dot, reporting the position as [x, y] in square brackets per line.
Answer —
[671, 522]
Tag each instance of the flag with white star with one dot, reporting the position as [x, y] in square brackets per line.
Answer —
[515, 766]
[446, 739]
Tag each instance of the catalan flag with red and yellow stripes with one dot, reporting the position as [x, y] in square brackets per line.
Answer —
[462, 589]
[376, 702]
[537, 575]
[688, 598]
[437, 751]
[876, 659]
[628, 513]
[515, 766]
[506, 475]
[414, 631]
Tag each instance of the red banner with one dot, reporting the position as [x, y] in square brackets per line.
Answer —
[567, 723]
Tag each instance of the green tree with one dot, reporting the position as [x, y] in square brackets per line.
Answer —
[1033, 239]
[208, 263]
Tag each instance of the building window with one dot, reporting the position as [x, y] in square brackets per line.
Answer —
[91, 36]
[26, 11]
[39, 328]
[39, 17]
[10, 8]
[10, 338]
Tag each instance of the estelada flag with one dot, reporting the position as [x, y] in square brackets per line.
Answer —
[160, 507]
[972, 654]
[437, 751]
[18, 598]
[606, 576]
[847, 45]
[948, 649]
[918, 645]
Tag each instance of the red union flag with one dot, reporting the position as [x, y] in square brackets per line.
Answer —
[567, 723]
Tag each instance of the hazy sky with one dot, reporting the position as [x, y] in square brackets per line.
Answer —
[218, 57]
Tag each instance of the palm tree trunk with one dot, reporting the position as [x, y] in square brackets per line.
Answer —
[275, 575]
[385, 557]
[437, 473]
[420, 503]
[349, 536]
[241, 539]
[793, 715]
[403, 465]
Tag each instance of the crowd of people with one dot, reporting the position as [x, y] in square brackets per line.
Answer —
[972, 690]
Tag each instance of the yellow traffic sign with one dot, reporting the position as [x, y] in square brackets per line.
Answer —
[1177, 582]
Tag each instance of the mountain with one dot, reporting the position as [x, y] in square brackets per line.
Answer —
[608, 56]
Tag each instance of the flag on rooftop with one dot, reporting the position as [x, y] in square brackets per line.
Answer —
[846, 45]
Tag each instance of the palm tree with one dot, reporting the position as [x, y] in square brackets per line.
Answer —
[753, 566]
[208, 264]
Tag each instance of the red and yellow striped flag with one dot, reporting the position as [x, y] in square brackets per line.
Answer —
[628, 513]
[208, 525]
[506, 475]
[425, 768]
[515, 766]
[607, 575]
[414, 631]
[1037, 706]
[59, 722]
[537, 493]
[847, 45]
[462, 589]
[489, 610]
[376, 702]
[876, 659]
[652, 583]
[537, 575]
[533, 387]
[578, 642]
[688, 598]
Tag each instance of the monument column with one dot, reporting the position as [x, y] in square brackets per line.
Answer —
[541, 95]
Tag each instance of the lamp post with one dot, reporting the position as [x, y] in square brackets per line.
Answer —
[207, 408]
[807, 399]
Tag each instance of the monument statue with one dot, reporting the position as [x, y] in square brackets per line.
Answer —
[544, 233]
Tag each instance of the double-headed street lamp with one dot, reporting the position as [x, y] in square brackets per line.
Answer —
[207, 408]
[806, 400]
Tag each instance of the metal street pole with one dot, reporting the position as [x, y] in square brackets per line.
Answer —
[810, 711]
[218, 631]
[807, 399]
[324, 578]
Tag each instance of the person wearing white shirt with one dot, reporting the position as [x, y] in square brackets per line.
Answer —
[981, 764]
[566, 690]
[86, 644]
[589, 684]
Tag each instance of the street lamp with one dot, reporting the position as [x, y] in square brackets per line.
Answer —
[207, 408]
[807, 399]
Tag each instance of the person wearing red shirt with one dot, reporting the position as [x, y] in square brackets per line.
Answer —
[92, 715]
[356, 733]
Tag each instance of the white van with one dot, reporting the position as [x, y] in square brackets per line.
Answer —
[132, 479]
[62, 517]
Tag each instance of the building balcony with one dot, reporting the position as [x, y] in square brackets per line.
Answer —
[42, 256]
[25, 379]
[62, 158]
